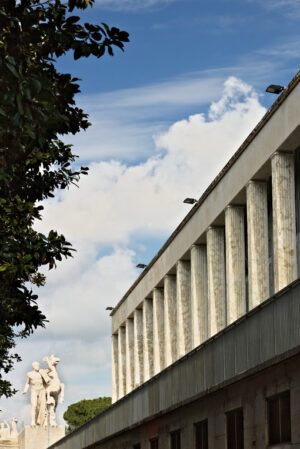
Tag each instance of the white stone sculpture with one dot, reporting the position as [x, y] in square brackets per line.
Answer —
[14, 430]
[45, 389]
[7, 430]
[54, 388]
[4, 431]
[38, 395]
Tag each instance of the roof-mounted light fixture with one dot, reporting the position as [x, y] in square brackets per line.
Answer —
[141, 265]
[274, 89]
[190, 201]
[109, 308]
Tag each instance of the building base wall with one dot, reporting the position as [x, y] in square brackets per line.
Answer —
[250, 394]
[249, 361]
[39, 437]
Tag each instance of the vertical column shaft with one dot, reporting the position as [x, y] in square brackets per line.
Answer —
[115, 369]
[148, 338]
[199, 293]
[158, 330]
[216, 279]
[235, 262]
[184, 316]
[258, 252]
[170, 328]
[138, 347]
[284, 219]
[122, 361]
[129, 355]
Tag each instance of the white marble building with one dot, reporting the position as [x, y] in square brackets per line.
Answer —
[235, 248]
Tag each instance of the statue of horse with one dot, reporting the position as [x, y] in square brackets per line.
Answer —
[54, 388]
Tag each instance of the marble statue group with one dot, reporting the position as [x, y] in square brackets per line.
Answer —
[7, 432]
[45, 391]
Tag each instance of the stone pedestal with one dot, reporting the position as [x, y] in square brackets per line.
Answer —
[39, 437]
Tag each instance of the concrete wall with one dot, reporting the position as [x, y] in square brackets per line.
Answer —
[266, 335]
[249, 394]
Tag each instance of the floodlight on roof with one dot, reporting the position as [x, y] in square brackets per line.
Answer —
[141, 265]
[274, 89]
[190, 201]
[109, 308]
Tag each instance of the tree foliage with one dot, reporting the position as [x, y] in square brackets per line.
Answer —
[79, 413]
[37, 107]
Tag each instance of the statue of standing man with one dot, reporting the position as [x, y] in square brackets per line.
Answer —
[45, 390]
[37, 381]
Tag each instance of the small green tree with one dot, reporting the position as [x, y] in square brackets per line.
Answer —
[36, 107]
[80, 412]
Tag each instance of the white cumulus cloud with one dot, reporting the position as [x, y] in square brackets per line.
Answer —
[138, 113]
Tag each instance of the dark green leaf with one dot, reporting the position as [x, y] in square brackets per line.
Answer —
[72, 19]
[97, 36]
[13, 70]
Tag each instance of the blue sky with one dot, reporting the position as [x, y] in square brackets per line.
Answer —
[167, 114]
[174, 38]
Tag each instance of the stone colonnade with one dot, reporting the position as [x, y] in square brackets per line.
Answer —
[209, 291]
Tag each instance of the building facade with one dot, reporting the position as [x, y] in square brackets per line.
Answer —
[206, 343]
